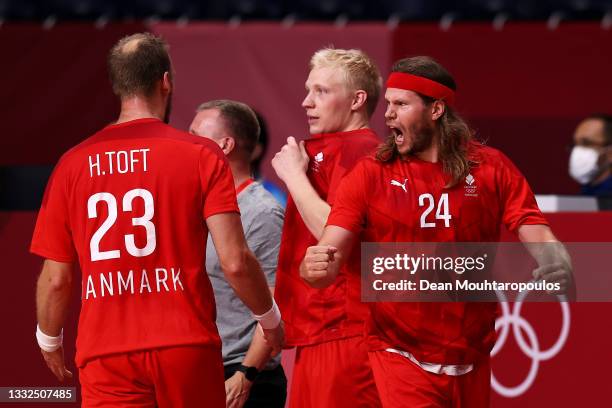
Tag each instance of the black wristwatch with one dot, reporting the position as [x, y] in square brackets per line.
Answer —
[250, 373]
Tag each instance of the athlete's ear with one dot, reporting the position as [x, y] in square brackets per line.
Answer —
[359, 100]
[437, 109]
[227, 144]
[167, 82]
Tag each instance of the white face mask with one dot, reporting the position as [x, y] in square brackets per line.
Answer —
[583, 164]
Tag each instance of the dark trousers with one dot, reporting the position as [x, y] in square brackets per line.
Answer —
[269, 389]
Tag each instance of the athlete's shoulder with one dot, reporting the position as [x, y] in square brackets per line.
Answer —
[70, 156]
[368, 133]
[481, 153]
[259, 194]
[207, 146]
[358, 144]
[189, 140]
[172, 142]
[364, 136]
[369, 163]
[147, 128]
[257, 202]
[492, 161]
[186, 137]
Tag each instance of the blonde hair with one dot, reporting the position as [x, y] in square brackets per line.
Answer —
[361, 73]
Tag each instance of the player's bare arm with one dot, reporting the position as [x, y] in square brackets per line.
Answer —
[258, 353]
[243, 272]
[290, 164]
[52, 298]
[238, 387]
[554, 262]
[322, 262]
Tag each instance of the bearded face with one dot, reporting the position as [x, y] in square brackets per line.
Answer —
[409, 121]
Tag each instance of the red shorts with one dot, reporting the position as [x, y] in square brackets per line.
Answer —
[169, 377]
[333, 374]
[401, 383]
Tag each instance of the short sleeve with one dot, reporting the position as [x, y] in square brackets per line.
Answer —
[217, 183]
[518, 201]
[52, 237]
[263, 235]
[349, 209]
[350, 153]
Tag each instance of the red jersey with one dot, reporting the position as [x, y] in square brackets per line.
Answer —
[129, 205]
[311, 315]
[406, 201]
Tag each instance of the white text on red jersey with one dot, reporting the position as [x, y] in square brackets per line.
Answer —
[118, 162]
[119, 283]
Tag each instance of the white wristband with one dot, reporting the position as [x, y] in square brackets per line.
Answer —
[48, 343]
[271, 319]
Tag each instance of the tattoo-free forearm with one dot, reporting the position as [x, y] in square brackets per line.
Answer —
[53, 292]
[543, 245]
[248, 281]
[258, 353]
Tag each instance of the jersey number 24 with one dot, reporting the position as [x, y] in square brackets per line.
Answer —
[442, 212]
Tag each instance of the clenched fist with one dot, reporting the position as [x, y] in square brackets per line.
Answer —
[318, 267]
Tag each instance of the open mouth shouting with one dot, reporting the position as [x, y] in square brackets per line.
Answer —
[397, 134]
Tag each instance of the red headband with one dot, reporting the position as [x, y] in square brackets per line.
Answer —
[421, 85]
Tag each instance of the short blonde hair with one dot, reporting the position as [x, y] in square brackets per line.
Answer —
[361, 72]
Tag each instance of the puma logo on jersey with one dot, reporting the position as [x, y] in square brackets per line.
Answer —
[398, 184]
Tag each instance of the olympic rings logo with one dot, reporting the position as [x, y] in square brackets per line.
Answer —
[532, 348]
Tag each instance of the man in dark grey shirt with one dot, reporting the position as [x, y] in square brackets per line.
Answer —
[252, 378]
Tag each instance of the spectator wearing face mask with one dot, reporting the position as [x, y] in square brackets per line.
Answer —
[591, 158]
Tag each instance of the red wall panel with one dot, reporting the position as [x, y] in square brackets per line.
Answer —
[55, 89]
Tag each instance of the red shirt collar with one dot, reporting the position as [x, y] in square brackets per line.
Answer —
[244, 185]
[348, 132]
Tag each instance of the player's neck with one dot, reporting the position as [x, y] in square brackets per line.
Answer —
[240, 171]
[137, 107]
[429, 155]
[432, 153]
[356, 121]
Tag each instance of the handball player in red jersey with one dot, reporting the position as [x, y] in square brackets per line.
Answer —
[429, 354]
[326, 326]
[133, 205]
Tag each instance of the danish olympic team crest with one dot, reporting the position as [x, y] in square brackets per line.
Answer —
[530, 346]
